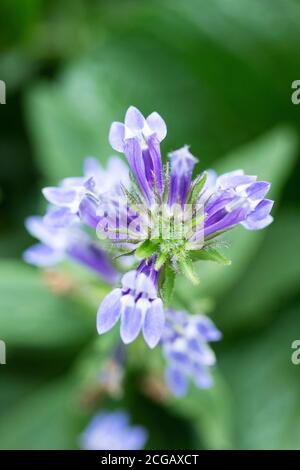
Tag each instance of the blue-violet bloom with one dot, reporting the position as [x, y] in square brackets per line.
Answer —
[185, 345]
[112, 431]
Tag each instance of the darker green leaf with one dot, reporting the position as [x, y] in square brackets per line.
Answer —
[210, 254]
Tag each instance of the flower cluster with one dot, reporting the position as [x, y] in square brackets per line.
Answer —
[162, 217]
[169, 221]
[61, 230]
[185, 347]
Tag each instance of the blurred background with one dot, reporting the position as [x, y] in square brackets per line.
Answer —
[220, 74]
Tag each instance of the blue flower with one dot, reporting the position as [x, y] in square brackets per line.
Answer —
[137, 305]
[185, 347]
[59, 243]
[71, 196]
[237, 199]
[139, 139]
[112, 431]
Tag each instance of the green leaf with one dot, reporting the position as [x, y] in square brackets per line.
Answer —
[187, 268]
[196, 188]
[160, 261]
[42, 421]
[166, 284]
[265, 384]
[210, 254]
[32, 317]
[146, 249]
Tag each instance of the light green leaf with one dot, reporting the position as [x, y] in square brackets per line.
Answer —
[265, 385]
[42, 421]
[187, 268]
[166, 284]
[210, 254]
[146, 249]
[196, 189]
[160, 261]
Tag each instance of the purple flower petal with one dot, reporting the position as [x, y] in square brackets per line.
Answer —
[133, 153]
[207, 329]
[116, 136]
[202, 354]
[42, 255]
[109, 311]
[129, 280]
[234, 179]
[48, 235]
[157, 125]
[262, 209]
[60, 196]
[144, 285]
[90, 255]
[59, 217]
[88, 212]
[182, 164]
[202, 377]
[134, 119]
[92, 168]
[154, 151]
[131, 320]
[154, 323]
[73, 182]
[177, 381]
[258, 190]
[250, 224]
[112, 431]
[229, 220]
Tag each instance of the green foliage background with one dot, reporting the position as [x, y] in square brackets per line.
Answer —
[220, 73]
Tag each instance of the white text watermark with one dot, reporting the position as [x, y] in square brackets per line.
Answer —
[295, 97]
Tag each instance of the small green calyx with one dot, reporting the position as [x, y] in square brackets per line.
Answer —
[146, 249]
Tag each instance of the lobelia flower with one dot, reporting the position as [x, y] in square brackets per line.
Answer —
[169, 220]
[112, 431]
[185, 347]
[139, 139]
[238, 199]
[218, 204]
[59, 243]
[136, 304]
[73, 194]
[162, 216]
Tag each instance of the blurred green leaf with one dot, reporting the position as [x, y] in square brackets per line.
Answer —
[14, 387]
[210, 413]
[17, 20]
[265, 386]
[89, 365]
[32, 317]
[41, 421]
[271, 279]
[271, 158]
